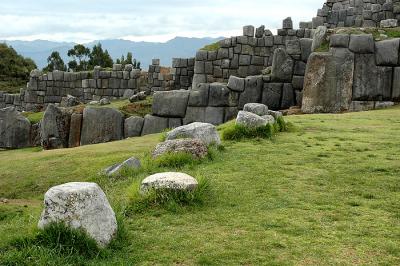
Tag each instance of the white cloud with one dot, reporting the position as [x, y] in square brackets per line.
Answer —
[151, 20]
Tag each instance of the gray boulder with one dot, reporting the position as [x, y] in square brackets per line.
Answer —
[104, 101]
[81, 206]
[128, 94]
[194, 147]
[14, 129]
[131, 163]
[362, 44]
[202, 131]
[248, 119]
[101, 125]
[282, 66]
[275, 114]
[387, 52]
[328, 82]
[236, 84]
[69, 101]
[55, 128]
[199, 96]
[168, 181]
[269, 118]
[252, 92]
[133, 126]
[170, 103]
[154, 124]
[256, 108]
[340, 40]
[389, 23]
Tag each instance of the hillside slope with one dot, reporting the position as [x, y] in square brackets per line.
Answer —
[325, 193]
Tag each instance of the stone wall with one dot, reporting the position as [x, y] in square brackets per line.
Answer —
[357, 13]
[159, 78]
[249, 54]
[358, 73]
[43, 89]
[182, 71]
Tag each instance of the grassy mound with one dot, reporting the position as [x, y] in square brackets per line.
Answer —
[325, 192]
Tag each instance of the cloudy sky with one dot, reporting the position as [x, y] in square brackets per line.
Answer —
[143, 20]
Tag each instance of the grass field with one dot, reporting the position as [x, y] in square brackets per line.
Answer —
[325, 193]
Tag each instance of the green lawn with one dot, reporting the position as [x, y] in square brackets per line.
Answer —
[324, 193]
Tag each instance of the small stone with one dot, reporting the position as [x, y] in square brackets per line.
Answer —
[202, 131]
[169, 180]
[191, 146]
[104, 101]
[131, 163]
[256, 108]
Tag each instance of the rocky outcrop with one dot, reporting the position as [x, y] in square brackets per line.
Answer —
[205, 132]
[194, 147]
[14, 129]
[168, 181]
[81, 206]
[101, 125]
[55, 127]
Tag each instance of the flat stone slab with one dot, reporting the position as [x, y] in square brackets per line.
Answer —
[169, 180]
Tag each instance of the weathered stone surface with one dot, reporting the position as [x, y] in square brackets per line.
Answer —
[272, 94]
[168, 181]
[236, 84]
[101, 125]
[154, 124]
[133, 126]
[248, 119]
[371, 82]
[387, 52]
[358, 106]
[104, 101]
[194, 114]
[75, 130]
[306, 46]
[282, 66]
[214, 115]
[131, 163]
[252, 92]
[55, 128]
[288, 97]
[230, 113]
[275, 114]
[69, 101]
[220, 95]
[389, 23]
[396, 85]
[269, 118]
[194, 147]
[340, 40]
[35, 140]
[128, 94]
[362, 44]
[170, 103]
[328, 81]
[319, 37]
[14, 129]
[248, 31]
[287, 23]
[256, 108]
[80, 206]
[203, 131]
[199, 96]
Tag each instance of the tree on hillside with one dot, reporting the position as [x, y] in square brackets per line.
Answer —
[55, 62]
[129, 61]
[98, 57]
[14, 69]
[80, 54]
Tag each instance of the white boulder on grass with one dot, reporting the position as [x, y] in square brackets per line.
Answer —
[131, 163]
[205, 132]
[256, 108]
[248, 119]
[81, 206]
[169, 180]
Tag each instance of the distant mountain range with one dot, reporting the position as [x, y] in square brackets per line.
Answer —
[143, 51]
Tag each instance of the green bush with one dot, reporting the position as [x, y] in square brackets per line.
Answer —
[169, 199]
[211, 47]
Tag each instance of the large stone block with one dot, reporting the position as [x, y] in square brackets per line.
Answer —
[101, 125]
[199, 95]
[55, 127]
[248, 31]
[288, 96]
[252, 91]
[154, 124]
[220, 95]
[14, 129]
[387, 52]
[236, 84]
[214, 115]
[328, 81]
[75, 130]
[396, 85]
[340, 40]
[133, 126]
[170, 103]
[194, 114]
[272, 94]
[282, 66]
[319, 38]
[362, 44]
[371, 82]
